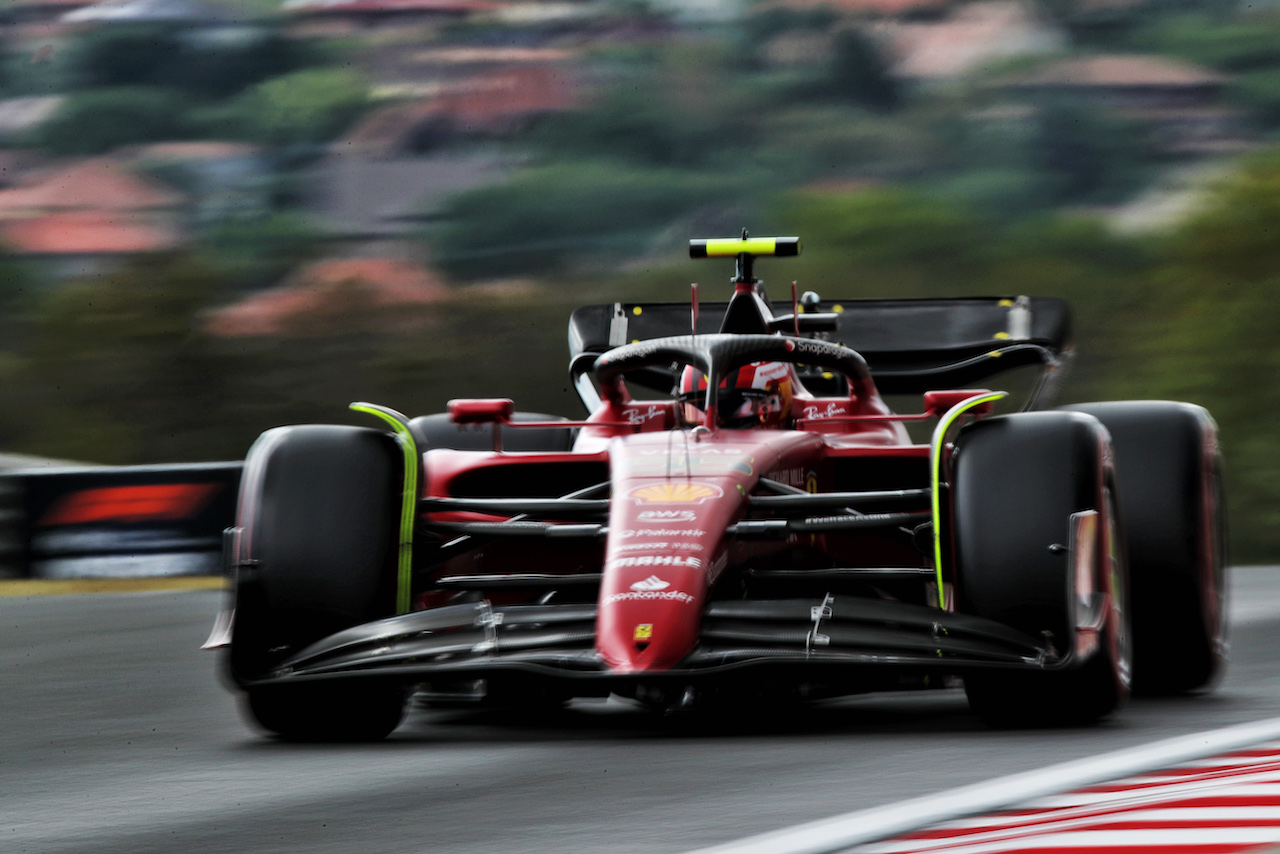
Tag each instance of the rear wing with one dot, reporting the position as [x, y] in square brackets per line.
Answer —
[911, 345]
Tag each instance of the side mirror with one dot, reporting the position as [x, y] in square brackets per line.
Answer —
[481, 410]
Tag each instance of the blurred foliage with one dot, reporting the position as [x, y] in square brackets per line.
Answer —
[308, 106]
[683, 109]
[208, 64]
[1208, 335]
[1228, 43]
[254, 252]
[542, 218]
[119, 369]
[110, 371]
[94, 121]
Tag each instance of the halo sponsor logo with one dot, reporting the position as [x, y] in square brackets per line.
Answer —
[832, 410]
[675, 493]
[635, 416]
[666, 516]
[653, 582]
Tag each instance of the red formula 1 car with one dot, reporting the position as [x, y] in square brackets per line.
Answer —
[740, 516]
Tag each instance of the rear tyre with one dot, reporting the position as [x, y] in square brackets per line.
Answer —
[318, 518]
[438, 431]
[1017, 481]
[1169, 476]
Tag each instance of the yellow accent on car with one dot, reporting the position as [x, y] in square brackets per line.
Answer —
[637, 310]
[935, 476]
[728, 247]
[409, 498]
[1001, 335]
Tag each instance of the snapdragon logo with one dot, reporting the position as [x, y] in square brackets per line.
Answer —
[640, 593]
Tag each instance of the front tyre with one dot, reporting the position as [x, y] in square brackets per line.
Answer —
[1017, 483]
[1169, 475]
[317, 519]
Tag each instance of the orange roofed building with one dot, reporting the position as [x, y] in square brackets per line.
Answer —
[335, 296]
[88, 212]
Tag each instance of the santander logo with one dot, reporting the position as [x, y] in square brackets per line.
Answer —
[653, 582]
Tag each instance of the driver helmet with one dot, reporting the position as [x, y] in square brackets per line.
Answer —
[755, 395]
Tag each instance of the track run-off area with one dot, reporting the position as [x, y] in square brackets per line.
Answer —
[116, 735]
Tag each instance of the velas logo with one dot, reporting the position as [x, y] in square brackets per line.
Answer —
[653, 582]
[143, 503]
[675, 493]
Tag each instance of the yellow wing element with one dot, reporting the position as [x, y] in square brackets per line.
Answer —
[728, 247]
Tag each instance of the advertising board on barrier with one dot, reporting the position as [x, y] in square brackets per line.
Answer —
[131, 521]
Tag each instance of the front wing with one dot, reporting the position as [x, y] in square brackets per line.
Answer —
[476, 640]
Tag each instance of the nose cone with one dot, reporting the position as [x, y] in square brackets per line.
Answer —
[650, 613]
[673, 499]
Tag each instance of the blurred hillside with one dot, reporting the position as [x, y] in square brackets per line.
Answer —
[217, 217]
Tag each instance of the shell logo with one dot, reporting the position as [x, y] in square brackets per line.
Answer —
[675, 493]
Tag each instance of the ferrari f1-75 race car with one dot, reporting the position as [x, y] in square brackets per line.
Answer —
[740, 518]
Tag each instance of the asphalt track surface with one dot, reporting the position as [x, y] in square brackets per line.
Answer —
[116, 736]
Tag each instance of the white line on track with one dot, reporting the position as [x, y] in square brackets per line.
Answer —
[842, 831]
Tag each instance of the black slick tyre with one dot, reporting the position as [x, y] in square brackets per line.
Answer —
[1017, 481]
[1168, 473]
[318, 523]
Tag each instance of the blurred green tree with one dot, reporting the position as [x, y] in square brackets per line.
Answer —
[544, 218]
[308, 106]
[208, 63]
[112, 372]
[1207, 332]
[98, 120]
[684, 110]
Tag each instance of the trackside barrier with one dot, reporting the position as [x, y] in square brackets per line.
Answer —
[118, 522]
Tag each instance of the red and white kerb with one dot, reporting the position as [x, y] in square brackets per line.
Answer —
[1219, 805]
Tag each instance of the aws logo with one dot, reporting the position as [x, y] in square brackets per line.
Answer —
[675, 493]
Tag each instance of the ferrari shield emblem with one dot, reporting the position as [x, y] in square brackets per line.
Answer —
[644, 631]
